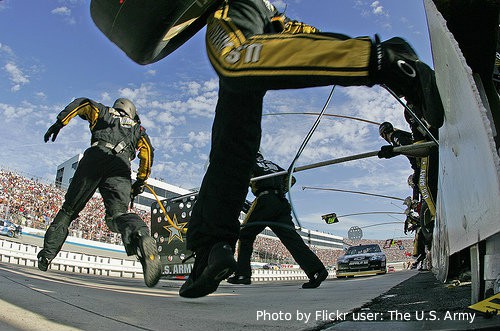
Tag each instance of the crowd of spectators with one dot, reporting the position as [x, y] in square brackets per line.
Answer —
[28, 201]
[32, 203]
[267, 249]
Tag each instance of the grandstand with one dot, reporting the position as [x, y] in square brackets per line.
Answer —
[32, 203]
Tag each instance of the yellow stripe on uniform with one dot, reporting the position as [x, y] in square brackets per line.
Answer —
[145, 159]
[87, 110]
[307, 53]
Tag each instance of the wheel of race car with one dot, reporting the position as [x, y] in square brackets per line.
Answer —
[147, 32]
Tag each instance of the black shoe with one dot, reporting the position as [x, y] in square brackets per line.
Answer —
[147, 253]
[316, 280]
[398, 67]
[43, 263]
[244, 280]
[209, 270]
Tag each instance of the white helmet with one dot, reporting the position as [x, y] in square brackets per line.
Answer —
[126, 106]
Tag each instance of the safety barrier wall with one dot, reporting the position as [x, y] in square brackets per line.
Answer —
[77, 241]
[263, 275]
[468, 210]
[469, 171]
[25, 254]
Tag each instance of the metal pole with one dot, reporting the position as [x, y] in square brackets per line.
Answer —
[405, 150]
[348, 191]
[328, 115]
[368, 226]
[372, 212]
[301, 148]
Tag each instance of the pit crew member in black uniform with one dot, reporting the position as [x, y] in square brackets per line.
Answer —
[426, 178]
[419, 184]
[116, 136]
[271, 208]
[254, 48]
[395, 138]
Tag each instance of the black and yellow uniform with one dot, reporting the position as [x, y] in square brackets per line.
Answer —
[115, 140]
[253, 48]
[428, 164]
[271, 208]
[424, 179]
[397, 138]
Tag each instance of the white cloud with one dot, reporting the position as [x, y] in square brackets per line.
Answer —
[186, 147]
[41, 95]
[279, 4]
[211, 85]
[23, 114]
[16, 76]
[406, 22]
[140, 96]
[64, 11]
[193, 88]
[372, 9]
[7, 111]
[106, 98]
[199, 139]
[6, 50]
[334, 136]
[377, 9]
[202, 105]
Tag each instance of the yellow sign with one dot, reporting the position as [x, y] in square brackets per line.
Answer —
[490, 305]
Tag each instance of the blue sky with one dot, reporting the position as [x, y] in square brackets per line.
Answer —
[51, 52]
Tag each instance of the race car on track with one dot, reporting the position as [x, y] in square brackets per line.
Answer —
[10, 229]
[361, 260]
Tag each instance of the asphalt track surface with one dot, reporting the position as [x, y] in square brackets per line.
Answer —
[34, 300]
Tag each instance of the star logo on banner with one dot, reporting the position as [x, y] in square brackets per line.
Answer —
[175, 231]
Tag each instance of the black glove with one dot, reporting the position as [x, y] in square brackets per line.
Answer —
[137, 187]
[53, 131]
[386, 152]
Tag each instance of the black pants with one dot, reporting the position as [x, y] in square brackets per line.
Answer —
[99, 168]
[271, 208]
[235, 141]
